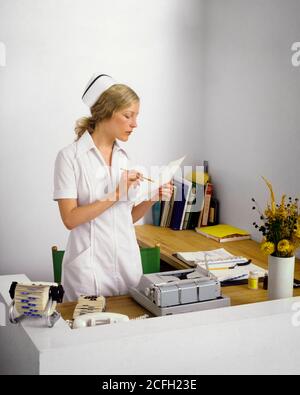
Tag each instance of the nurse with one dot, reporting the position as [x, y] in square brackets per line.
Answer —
[102, 256]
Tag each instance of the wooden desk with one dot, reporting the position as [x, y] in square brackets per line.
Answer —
[116, 304]
[188, 240]
[174, 241]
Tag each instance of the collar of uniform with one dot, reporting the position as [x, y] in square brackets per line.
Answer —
[86, 143]
[117, 147]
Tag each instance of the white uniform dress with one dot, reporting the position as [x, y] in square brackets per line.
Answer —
[102, 256]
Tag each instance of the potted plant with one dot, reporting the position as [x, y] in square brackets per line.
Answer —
[280, 226]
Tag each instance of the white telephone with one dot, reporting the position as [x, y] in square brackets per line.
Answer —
[95, 319]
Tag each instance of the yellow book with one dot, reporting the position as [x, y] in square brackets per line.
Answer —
[223, 233]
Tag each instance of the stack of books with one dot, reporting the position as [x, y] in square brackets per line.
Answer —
[192, 204]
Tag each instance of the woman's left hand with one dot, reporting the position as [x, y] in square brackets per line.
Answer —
[165, 192]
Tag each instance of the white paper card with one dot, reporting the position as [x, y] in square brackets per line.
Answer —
[160, 176]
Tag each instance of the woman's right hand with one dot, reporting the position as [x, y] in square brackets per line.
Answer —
[129, 178]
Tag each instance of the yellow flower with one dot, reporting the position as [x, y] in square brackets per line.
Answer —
[297, 233]
[285, 246]
[282, 206]
[273, 201]
[292, 248]
[268, 248]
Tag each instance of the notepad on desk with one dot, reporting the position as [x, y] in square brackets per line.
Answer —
[223, 233]
[224, 265]
[238, 273]
[217, 257]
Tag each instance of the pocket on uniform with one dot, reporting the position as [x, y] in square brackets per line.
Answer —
[82, 260]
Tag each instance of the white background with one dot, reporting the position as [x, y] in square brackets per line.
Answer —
[215, 80]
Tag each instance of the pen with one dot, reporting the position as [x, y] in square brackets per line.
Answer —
[244, 263]
[144, 178]
[232, 267]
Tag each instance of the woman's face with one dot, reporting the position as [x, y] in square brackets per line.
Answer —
[123, 122]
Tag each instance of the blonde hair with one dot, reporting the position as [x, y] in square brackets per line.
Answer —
[116, 98]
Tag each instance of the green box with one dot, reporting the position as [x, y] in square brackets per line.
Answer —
[150, 260]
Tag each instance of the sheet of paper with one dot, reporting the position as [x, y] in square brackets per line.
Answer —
[215, 256]
[160, 176]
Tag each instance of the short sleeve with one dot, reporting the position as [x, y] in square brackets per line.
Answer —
[64, 178]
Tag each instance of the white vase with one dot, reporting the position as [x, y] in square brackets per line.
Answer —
[281, 277]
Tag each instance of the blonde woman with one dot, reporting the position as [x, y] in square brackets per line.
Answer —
[102, 255]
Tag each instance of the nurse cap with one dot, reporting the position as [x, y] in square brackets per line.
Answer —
[98, 84]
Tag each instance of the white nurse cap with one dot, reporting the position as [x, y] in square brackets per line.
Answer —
[98, 84]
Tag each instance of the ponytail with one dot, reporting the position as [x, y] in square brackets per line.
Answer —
[84, 124]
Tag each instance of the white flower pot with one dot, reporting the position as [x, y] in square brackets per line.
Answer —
[281, 277]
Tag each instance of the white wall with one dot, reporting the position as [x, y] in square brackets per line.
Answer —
[251, 106]
[52, 48]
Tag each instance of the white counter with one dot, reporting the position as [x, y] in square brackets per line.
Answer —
[260, 338]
